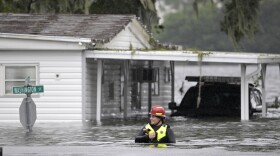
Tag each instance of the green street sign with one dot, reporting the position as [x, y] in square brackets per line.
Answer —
[28, 89]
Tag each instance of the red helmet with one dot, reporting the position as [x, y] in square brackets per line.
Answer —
[157, 111]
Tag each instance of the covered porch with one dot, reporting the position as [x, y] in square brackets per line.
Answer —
[243, 60]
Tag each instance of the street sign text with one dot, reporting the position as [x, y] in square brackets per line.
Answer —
[28, 89]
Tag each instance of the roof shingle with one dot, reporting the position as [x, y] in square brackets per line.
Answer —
[96, 26]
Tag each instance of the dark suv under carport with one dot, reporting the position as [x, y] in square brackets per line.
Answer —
[219, 97]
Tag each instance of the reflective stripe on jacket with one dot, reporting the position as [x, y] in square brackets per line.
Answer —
[161, 132]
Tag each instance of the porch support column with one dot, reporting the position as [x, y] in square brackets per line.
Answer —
[98, 99]
[172, 71]
[150, 89]
[264, 108]
[172, 81]
[84, 71]
[125, 87]
[244, 94]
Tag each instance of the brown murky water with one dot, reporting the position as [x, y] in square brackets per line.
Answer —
[229, 134]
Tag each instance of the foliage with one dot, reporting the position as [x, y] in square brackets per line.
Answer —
[15, 5]
[240, 19]
[204, 31]
[267, 38]
[43, 6]
[145, 9]
[114, 7]
[196, 24]
[239, 16]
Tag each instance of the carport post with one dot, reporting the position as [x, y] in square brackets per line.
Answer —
[150, 88]
[264, 109]
[244, 94]
[172, 67]
[84, 71]
[125, 92]
[98, 99]
[172, 81]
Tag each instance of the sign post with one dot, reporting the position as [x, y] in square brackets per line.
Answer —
[27, 109]
[27, 113]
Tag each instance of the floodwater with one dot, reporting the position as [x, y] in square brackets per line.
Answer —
[204, 136]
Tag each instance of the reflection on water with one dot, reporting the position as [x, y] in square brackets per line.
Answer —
[229, 133]
[256, 135]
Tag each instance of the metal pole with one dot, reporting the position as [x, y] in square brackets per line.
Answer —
[27, 103]
[27, 81]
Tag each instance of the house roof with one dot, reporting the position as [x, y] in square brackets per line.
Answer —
[99, 28]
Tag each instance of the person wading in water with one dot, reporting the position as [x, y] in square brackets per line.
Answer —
[156, 131]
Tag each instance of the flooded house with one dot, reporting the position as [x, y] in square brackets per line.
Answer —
[98, 66]
[52, 50]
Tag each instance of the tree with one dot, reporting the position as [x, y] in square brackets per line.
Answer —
[267, 38]
[203, 32]
[240, 19]
[198, 31]
[239, 22]
[145, 9]
[44, 6]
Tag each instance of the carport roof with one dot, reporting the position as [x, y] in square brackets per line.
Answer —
[190, 56]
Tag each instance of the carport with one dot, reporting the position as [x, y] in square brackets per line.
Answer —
[242, 59]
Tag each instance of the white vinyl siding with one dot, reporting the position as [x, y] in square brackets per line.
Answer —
[132, 36]
[60, 72]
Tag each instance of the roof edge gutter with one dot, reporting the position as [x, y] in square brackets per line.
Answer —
[34, 42]
[48, 38]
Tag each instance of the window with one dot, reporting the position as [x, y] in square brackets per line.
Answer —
[147, 75]
[144, 75]
[155, 84]
[111, 89]
[167, 74]
[15, 75]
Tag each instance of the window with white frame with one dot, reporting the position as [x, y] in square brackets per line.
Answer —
[15, 75]
[155, 84]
